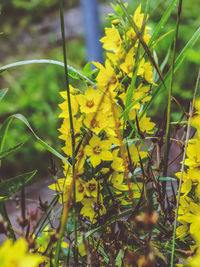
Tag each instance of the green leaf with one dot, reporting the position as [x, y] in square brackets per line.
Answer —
[117, 9]
[12, 185]
[178, 63]
[166, 179]
[10, 150]
[87, 70]
[3, 133]
[3, 92]
[162, 21]
[119, 258]
[45, 145]
[75, 74]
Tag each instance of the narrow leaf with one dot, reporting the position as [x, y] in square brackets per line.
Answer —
[162, 21]
[11, 186]
[119, 258]
[10, 150]
[166, 179]
[75, 74]
[178, 63]
[45, 145]
[3, 92]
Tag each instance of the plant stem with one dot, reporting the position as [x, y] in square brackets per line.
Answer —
[63, 221]
[166, 148]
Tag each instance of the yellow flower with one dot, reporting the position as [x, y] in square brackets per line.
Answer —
[90, 100]
[182, 231]
[116, 180]
[64, 107]
[62, 186]
[129, 63]
[16, 254]
[112, 40]
[65, 128]
[148, 73]
[193, 155]
[194, 261]
[96, 123]
[68, 145]
[80, 189]
[106, 77]
[117, 163]
[98, 150]
[142, 92]
[195, 122]
[92, 188]
[134, 152]
[93, 207]
[184, 205]
[116, 58]
[145, 125]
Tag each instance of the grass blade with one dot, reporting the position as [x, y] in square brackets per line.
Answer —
[13, 149]
[3, 92]
[178, 62]
[162, 21]
[10, 186]
[44, 144]
[72, 72]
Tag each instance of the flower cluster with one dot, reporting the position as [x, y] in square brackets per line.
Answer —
[189, 210]
[99, 113]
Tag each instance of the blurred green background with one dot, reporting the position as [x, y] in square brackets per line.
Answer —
[33, 90]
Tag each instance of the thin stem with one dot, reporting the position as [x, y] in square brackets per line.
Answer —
[62, 228]
[166, 148]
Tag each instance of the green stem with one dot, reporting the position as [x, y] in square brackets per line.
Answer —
[5, 217]
[62, 229]
[166, 148]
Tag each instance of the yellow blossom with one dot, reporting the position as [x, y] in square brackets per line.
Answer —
[117, 164]
[64, 107]
[66, 130]
[62, 186]
[136, 154]
[98, 150]
[90, 100]
[148, 73]
[116, 180]
[93, 207]
[128, 65]
[95, 123]
[112, 40]
[145, 125]
[93, 188]
[106, 77]
[16, 254]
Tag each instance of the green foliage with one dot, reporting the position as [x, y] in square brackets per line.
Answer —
[10, 186]
[36, 96]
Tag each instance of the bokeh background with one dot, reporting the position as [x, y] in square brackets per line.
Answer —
[30, 30]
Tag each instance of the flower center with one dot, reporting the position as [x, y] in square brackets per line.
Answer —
[94, 123]
[92, 187]
[118, 43]
[80, 188]
[113, 80]
[90, 103]
[97, 150]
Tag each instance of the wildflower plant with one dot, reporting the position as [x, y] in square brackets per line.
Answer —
[119, 204]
